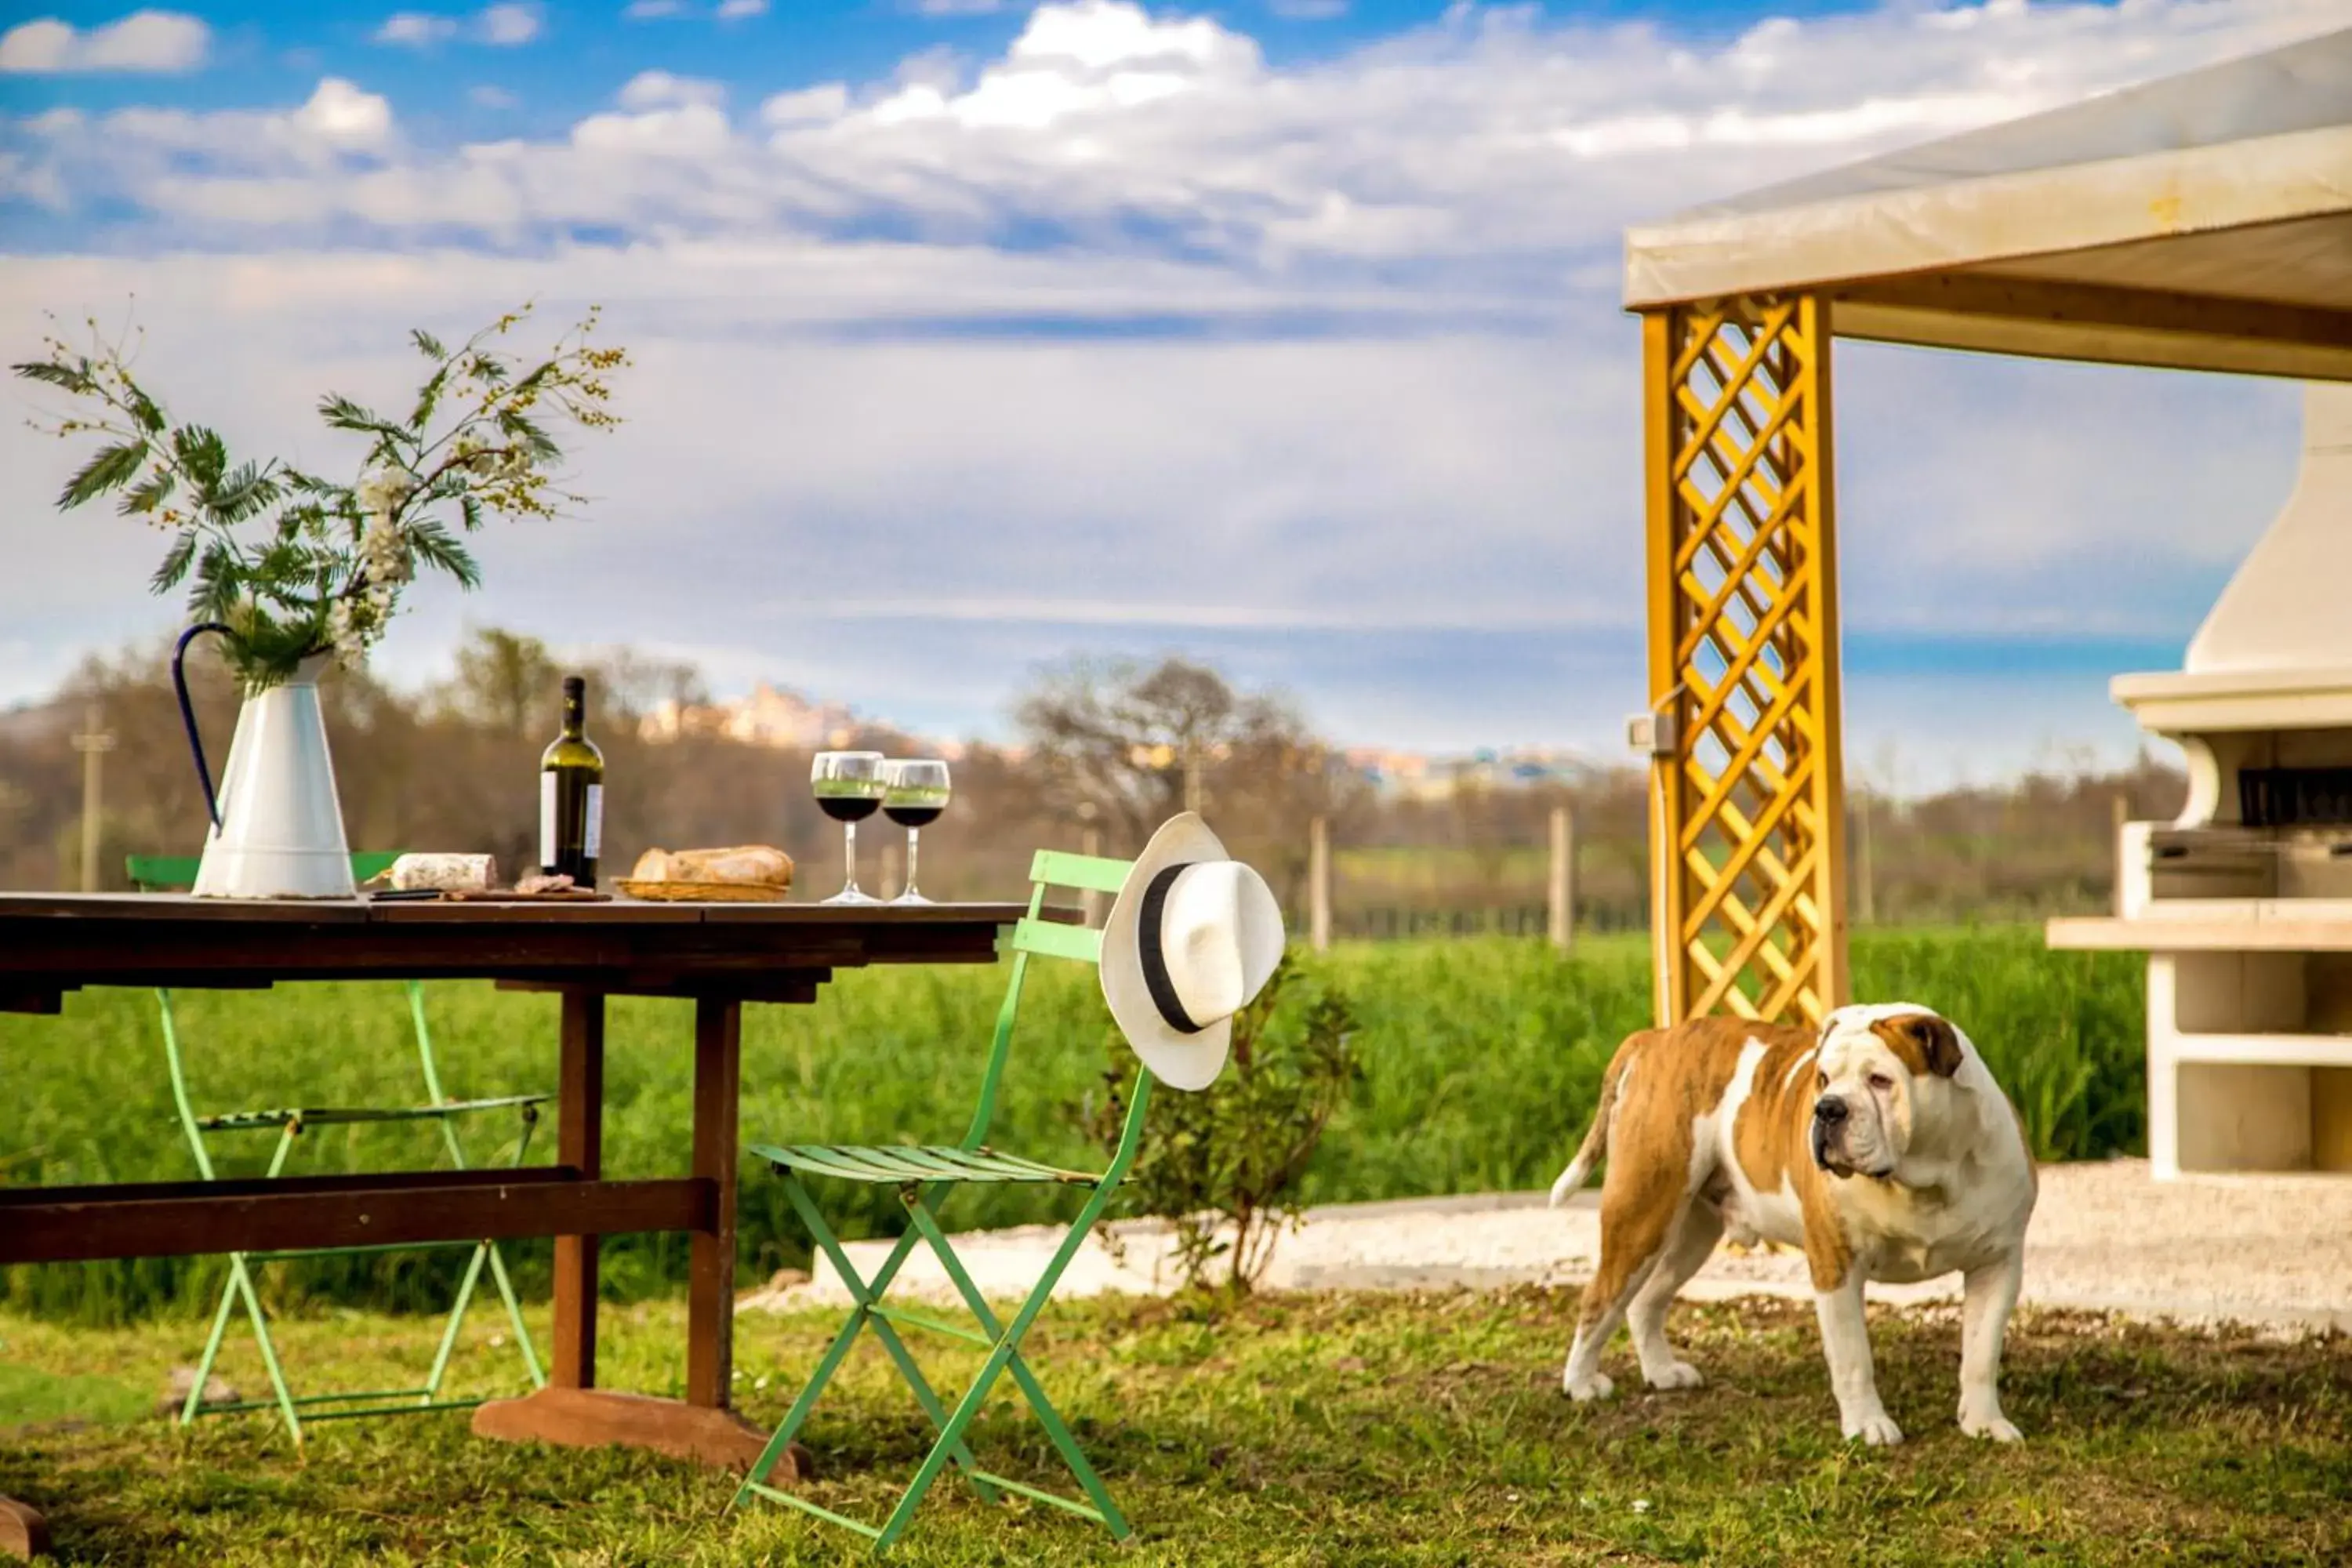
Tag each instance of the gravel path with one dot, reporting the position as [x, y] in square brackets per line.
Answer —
[2273, 1250]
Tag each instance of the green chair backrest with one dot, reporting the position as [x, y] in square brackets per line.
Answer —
[161, 873]
[1031, 937]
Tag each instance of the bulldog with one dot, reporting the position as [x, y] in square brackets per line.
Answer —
[1880, 1145]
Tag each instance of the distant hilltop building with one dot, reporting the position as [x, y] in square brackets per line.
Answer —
[768, 717]
[1412, 775]
[786, 720]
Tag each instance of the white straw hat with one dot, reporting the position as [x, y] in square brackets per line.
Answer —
[1189, 943]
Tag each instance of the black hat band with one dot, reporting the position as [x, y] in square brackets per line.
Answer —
[1155, 965]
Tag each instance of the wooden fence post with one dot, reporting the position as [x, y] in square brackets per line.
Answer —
[1866, 866]
[1090, 901]
[1318, 884]
[1560, 890]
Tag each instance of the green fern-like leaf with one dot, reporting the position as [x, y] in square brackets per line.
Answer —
[219, 586]
[176, 562]
[144, 409]
[534, 440]
[241, 494]
[427, 344]
[202, 454]
[148, 494]
[344, 415]
[435, 546]
[470, 508]
[112, 467]
[74, 378]
[428, 398]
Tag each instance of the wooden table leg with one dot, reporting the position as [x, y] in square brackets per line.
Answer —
[572, 1410]
[710, 1290]
[23, 1531]
[580, 1143]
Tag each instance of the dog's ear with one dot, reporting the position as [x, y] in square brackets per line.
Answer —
[1939, 1043]
[1925, 1042]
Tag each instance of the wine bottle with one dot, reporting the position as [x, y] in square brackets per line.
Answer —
[572, 794]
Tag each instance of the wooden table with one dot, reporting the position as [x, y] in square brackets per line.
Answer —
[720, 955]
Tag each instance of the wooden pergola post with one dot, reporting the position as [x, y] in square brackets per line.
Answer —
[1747, 813]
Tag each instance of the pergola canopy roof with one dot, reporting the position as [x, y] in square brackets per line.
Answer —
[2202, 222]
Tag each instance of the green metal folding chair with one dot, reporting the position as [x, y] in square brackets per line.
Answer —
[152, 873]
[923, 1174]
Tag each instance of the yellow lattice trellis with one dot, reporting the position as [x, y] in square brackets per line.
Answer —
[1748, 846]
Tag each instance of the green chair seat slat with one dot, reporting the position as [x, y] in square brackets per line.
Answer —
[1053, 941]
[914, 1163]
[329, 1116]
[1093, 872]
[180, 870]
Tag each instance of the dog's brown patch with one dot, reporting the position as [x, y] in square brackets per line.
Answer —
[1679, 1075]
[1769, 1136]
[1774, 1141]
[1923, 1042]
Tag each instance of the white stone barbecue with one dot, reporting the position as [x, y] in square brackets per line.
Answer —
[2244, 902]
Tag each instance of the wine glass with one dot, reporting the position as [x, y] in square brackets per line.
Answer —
[914, 794]
[848, 788]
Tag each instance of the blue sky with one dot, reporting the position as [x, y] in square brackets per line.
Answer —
[1281, 332]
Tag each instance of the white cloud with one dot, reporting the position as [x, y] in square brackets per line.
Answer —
[1310, 10]
[956, 8]
[734, 10]
[689, 131]
[490, 96]
[1488, 147]
[828, 101]
[660, 89]
[416, 29]
[507, 25]
[654, 10]
[143, 41]
[339, 114]
[498, 26]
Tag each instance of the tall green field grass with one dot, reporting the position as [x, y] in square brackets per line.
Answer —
[1482, 1061]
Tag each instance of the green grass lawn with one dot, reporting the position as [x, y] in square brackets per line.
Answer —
[1304, 1429]
[1481, 1057]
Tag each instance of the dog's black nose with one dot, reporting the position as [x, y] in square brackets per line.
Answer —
[1830, 1111]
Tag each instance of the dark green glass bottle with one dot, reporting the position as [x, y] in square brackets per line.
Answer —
[572, 794]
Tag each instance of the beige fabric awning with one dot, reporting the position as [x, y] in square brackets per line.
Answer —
[2202, 222]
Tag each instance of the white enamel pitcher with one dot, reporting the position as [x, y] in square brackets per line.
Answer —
[277, 829]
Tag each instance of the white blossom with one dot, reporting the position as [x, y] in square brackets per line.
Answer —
[350, 643]
[381, 491]
[384, 552]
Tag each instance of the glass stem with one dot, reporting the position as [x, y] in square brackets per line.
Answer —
[849, 857]
[913, 836]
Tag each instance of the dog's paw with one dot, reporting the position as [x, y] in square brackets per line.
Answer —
[1597, 1386]
[1997, 1426]
[1675, 1375]
[1877, 1429]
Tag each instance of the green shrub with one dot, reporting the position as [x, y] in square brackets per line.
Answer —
[1222, 1166]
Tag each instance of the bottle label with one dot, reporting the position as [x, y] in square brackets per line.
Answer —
[547, 820]
[591, 833]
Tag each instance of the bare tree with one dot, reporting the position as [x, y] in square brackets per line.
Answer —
[505, 681]
[1137, 743]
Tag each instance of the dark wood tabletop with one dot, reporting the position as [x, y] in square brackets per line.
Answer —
[51, 944]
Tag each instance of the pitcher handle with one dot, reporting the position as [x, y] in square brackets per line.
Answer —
[188, 712]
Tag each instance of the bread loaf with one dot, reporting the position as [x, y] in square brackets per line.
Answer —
[743, 865]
